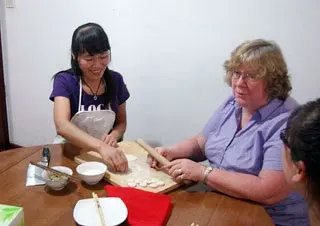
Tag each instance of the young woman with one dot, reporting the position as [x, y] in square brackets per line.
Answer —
[90, 100]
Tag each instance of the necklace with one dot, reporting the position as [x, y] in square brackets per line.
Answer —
[95, 96]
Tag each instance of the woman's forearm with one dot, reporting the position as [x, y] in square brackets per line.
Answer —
[119, 130]
[246, 186]
[78, 137]
[190, 148]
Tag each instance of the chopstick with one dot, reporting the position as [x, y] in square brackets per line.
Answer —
[53, 170]
[96, 199]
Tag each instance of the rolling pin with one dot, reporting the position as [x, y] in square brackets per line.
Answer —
[162, 160]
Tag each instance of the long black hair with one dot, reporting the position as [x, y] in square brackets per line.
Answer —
[91, 38]
[302, 136]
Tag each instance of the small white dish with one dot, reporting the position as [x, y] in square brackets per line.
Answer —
[114, 211]
[57, 183]
[91, 172]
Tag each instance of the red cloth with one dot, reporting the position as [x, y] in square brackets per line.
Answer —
[144, 208]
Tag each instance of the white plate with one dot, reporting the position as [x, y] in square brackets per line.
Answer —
[114, 210]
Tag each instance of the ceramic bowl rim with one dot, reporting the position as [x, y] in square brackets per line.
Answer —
[102, 168]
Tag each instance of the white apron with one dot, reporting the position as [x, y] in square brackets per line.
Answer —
[95, 123]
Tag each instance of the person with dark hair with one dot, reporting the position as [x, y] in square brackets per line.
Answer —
[301, 155]
[90, 99]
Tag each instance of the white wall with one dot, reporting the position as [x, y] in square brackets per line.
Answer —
[170, 53]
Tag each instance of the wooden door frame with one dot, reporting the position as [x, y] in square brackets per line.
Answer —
[4, 132]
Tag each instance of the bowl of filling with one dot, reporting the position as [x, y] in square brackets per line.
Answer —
[91, 172]
[57, 181]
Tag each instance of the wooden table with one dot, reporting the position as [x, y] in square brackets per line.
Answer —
[45, 207]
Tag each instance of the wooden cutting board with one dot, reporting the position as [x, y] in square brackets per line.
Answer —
[139, 170]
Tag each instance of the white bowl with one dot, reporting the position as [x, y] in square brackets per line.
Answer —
[57, 184]
[91, 172]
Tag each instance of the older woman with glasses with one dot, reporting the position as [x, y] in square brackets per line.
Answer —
[301, 155]
[241, 139]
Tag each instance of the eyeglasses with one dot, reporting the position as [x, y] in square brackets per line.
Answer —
[236, 75]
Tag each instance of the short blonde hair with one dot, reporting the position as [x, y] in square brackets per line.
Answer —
[266, 59]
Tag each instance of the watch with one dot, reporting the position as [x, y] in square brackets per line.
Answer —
[206, 173]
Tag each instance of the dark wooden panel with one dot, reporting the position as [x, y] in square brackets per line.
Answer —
[4, 135]
[13, 146]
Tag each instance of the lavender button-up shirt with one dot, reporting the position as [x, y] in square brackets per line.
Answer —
[255, 147]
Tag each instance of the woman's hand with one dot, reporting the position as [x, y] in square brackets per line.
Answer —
[110, 139]
[114, 158]
[162, 151]
[185, 169]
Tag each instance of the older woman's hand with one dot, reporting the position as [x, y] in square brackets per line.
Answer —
[162, 151]
[185, 169]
